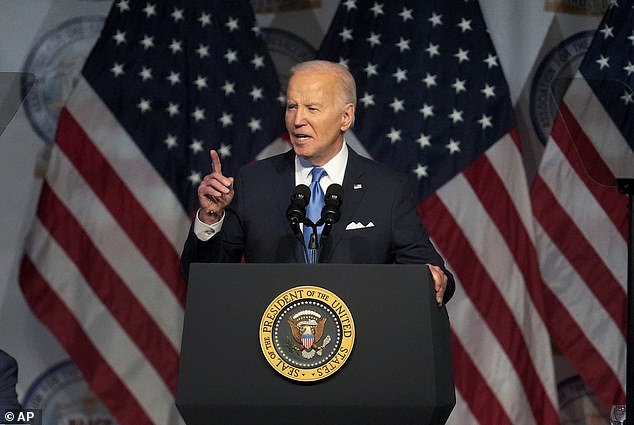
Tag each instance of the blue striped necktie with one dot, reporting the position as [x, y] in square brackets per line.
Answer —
[313, 210]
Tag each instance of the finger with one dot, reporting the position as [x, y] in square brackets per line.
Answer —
[216, 166]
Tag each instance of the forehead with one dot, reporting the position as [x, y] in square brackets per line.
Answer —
[311, 86]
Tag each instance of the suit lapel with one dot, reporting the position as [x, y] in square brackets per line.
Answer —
[353, 191]
[284, 185]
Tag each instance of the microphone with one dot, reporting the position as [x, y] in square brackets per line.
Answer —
[296, 211]
[331, 212]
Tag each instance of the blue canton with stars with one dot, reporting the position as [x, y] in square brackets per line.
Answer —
[431, 95]
[186, 76]
[608, 66]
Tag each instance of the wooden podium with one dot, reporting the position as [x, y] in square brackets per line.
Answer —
[399, 370]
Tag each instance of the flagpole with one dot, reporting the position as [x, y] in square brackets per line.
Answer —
[626, 186]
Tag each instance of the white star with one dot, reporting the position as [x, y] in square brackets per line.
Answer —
[256, 93]
[205, 19]
[488, 91]
[123, 5]
[346, 34]
[147, 42]
[456, 116]
[432, 50]
[195, 178]
[177, 14]
[631, 37]
[603, 62]
[420, 171]
[203, 51]
[281, 98]
[394, 135]
[257, 31]
[258, 61]
[370, 70]
[232, 24]
[146, 74]
[119, 37]
[231, 56]
[406, 14]
[462, 55]
[485, 121]
[172, 109]
[254, 125]
[367, 99]
[350, 4]
[423, 141]
[465, 25]
[224, 151]
[403, 44]
[117, 69]
[491, 61]
[430, 80]
[377, 9]
[607, 32]
[374, 39]
[629, 68]
[400, 75]
[627, 97]
[397, 105]
[459, 85]
[196, 146]
[427, 110]
[435, 19]
[149, 10]
[174, 78]
[343, 62]
[200, 82]
[198, 114]
[144, 105]
[175, 46]
[229, 88]
[453, 146]
[226, 119]
[170, 141]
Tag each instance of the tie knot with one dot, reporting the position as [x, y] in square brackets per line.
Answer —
[317, 173]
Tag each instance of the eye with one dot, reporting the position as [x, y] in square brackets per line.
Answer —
[291, 106]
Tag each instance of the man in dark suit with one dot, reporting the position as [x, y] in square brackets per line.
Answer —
[246, 217]
[8, 380]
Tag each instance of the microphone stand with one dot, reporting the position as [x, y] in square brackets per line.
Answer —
[312, 256]
[626, 186]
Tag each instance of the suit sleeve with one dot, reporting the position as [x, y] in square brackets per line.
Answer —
[411, 243]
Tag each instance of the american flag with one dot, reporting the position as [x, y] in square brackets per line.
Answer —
[165, 82]
[581, 218]
[433, 101]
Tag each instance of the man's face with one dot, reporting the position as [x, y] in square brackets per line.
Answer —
[315, 118]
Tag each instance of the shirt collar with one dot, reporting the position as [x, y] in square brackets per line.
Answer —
[335, 168]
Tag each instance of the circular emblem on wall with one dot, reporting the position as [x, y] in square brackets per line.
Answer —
[552, 78]
[286, 49]
[55, 61]
[307, 333]
[65, 398]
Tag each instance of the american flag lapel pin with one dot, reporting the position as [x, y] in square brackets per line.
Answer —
[357, 186]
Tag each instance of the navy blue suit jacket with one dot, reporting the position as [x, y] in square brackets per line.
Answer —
[8, 380]
[255, 225]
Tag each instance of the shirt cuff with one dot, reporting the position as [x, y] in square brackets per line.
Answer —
[204, 231]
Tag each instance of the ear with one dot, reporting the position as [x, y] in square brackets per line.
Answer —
[347, 117]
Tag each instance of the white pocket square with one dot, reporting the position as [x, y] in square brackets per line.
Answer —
[355, 226]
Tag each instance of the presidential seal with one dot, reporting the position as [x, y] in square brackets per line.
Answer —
[307, 333]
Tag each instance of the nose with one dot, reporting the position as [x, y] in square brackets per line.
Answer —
[298, 117]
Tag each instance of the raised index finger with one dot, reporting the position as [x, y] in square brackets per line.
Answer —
[216, 166]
